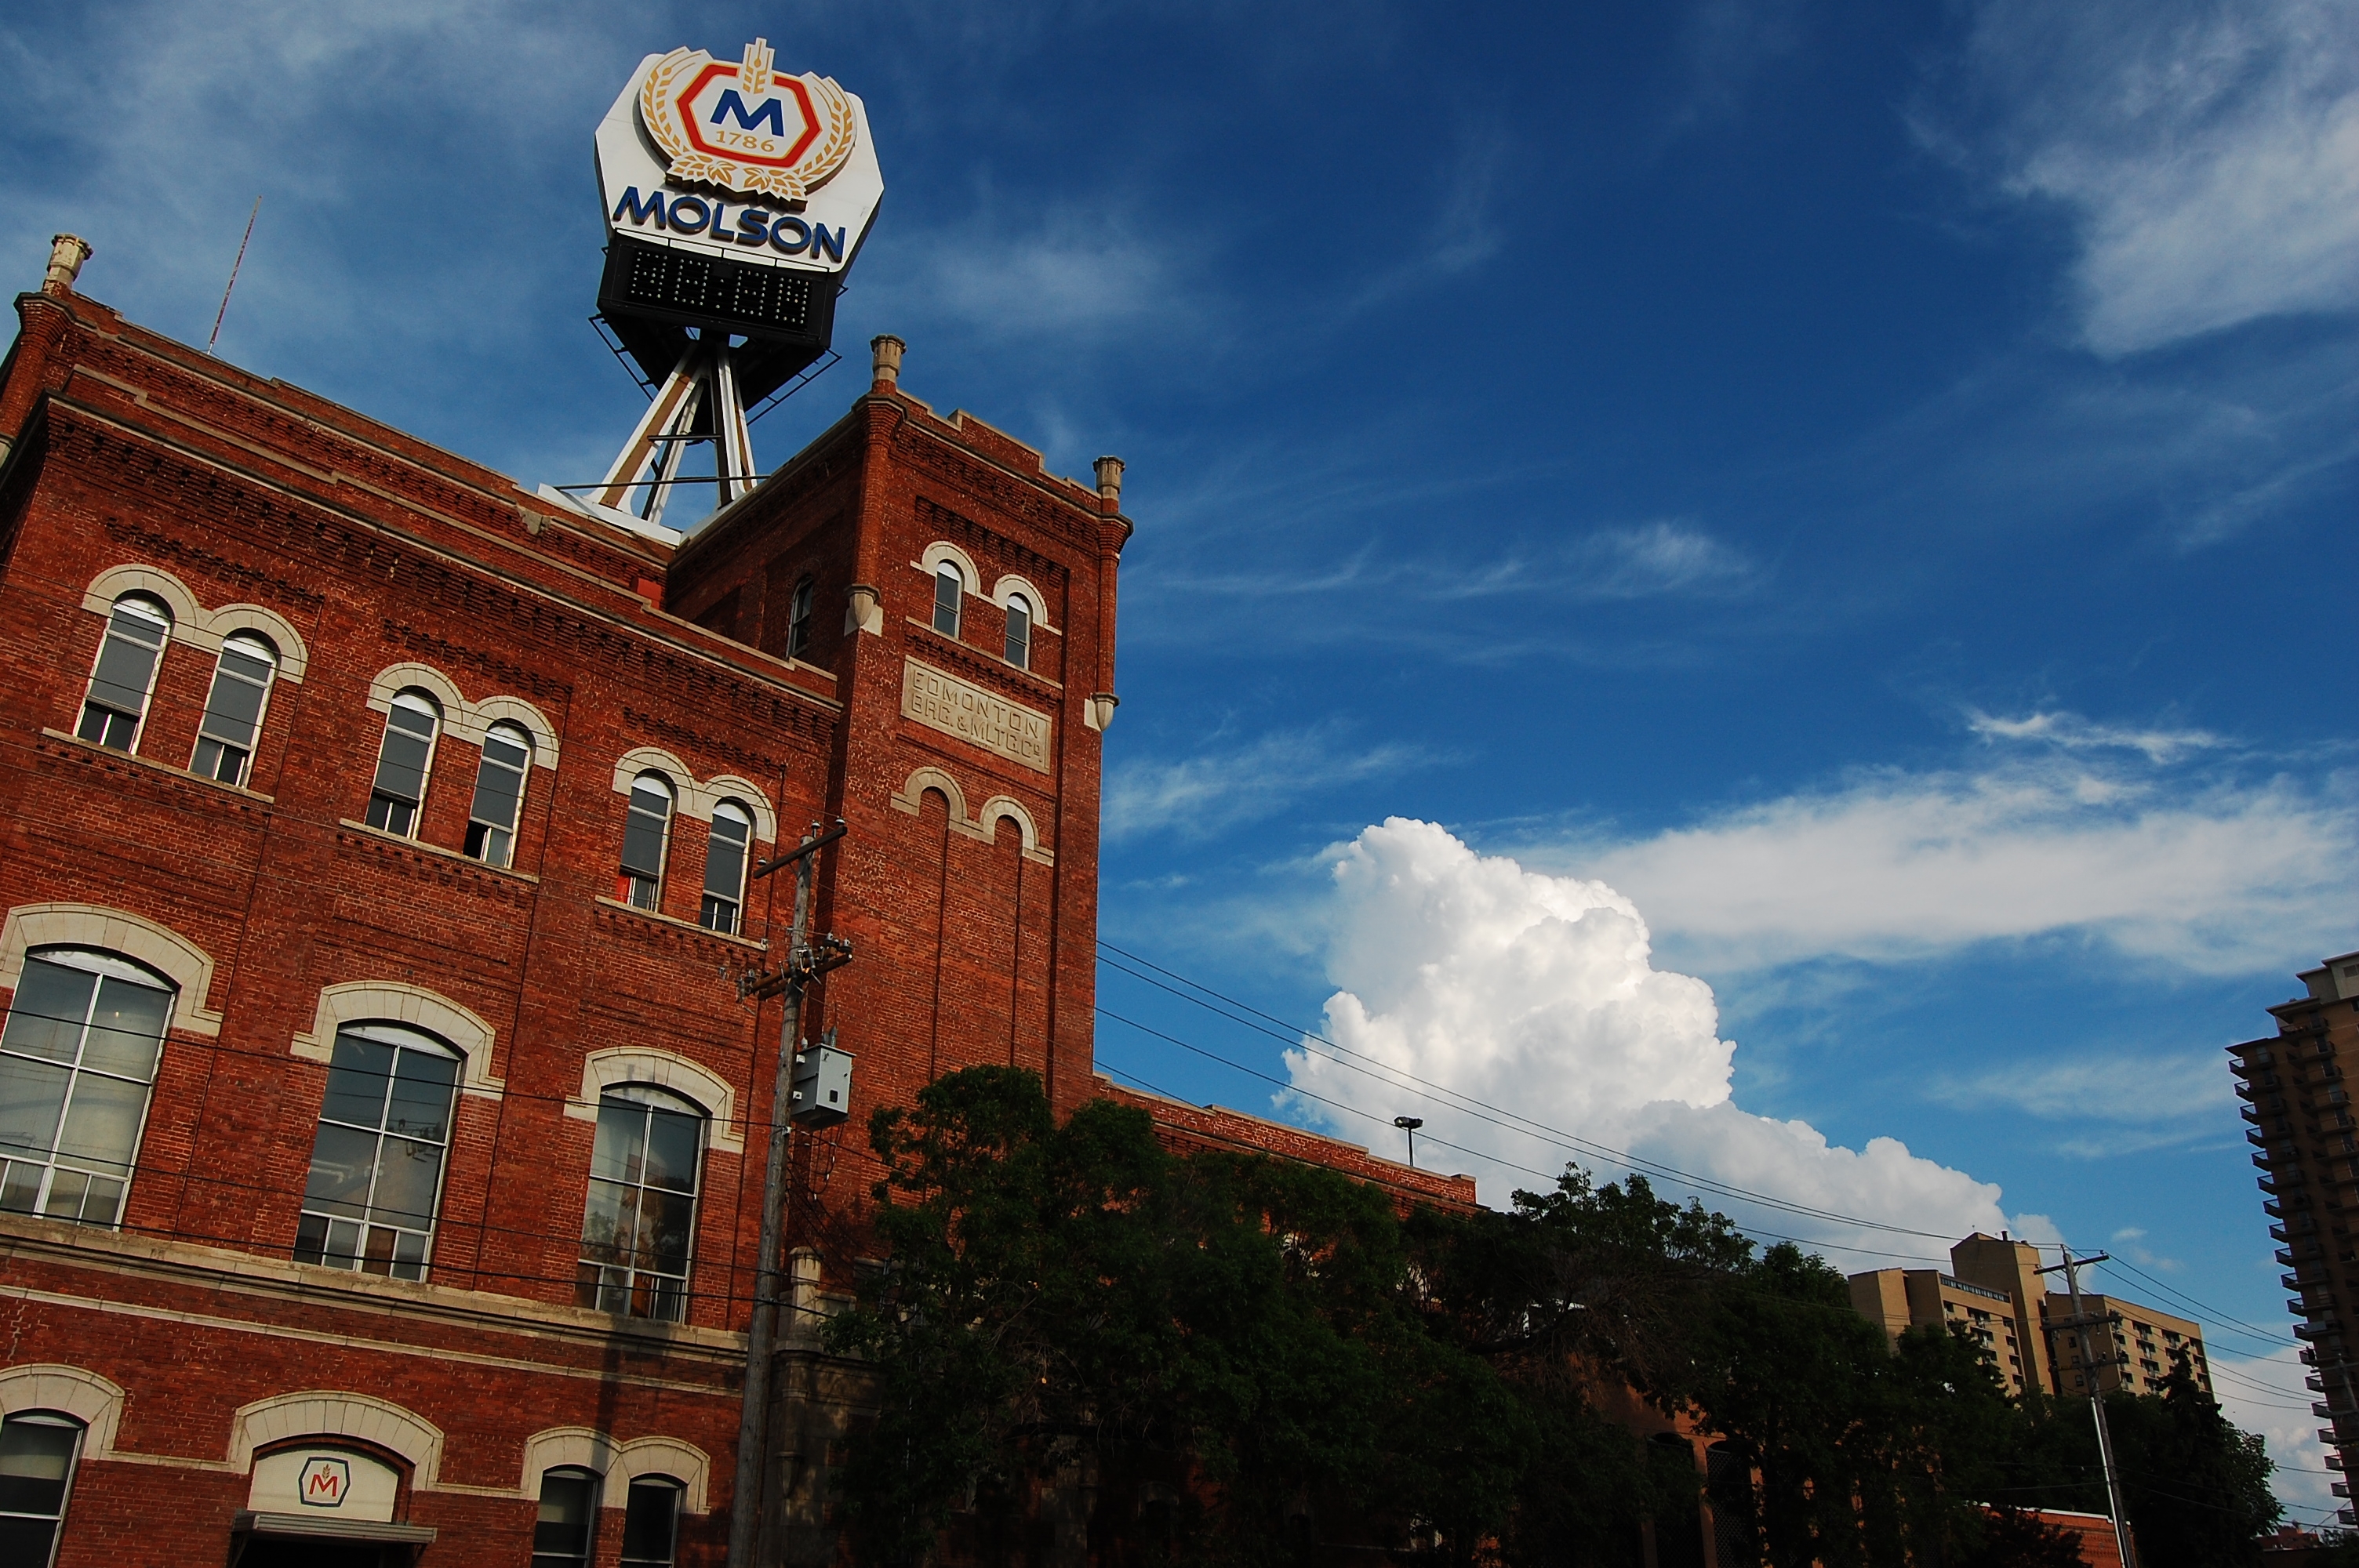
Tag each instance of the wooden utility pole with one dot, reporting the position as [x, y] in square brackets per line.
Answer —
[2071, 1268]
[806, 962]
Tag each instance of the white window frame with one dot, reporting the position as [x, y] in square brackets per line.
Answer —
[104, 965]
[799, 616]
[947, 571]
[1019, 649]
[640, 886]
[402, 1037]
[253, 645]
[409, 700]
[80, 1430]
[723, 909]
[488, 841]
[142, 607]
[648, 1097]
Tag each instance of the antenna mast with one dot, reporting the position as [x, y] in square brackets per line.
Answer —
[233, 266]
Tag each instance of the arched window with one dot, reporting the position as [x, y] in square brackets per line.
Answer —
[651, 1523]
[724, 868]
[403, 761]
[645, 831]
[1019, 631]
[798, 618]
[564, 1534]
[639, 1223]
[38, 1449]
[948, 586]
[499, 795]
[77, 1061]
[136, 629]
[377, 1161]
[233, 710]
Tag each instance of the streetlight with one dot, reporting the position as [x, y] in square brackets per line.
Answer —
[1409, 1124]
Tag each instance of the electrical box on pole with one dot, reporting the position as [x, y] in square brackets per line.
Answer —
[823, 1084]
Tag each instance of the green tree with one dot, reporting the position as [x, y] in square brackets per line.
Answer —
[2197, 1488]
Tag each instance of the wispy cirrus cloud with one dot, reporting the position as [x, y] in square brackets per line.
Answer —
[1212, 790]
[2207, 154]
[2069, 732]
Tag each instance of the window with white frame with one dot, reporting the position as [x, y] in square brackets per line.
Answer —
[651, 1523]
[76, 1063]
[38, 1450]
[724, 868]
[638, 1224]
[404, 762]
[124, 677]
[566, 1531]
[1019, 631]
[499, 795]
[798, 618]
[233, 709]
[378, 1160]
[947, 587]
[647, 831]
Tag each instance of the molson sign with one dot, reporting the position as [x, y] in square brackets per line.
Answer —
[733, 159]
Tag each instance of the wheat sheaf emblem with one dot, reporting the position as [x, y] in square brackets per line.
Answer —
[661, 112]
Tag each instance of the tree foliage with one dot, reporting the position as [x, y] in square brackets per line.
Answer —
[1086, 1347]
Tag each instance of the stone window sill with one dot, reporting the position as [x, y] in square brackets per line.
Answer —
[382, 836]
[96, 750]
[659, 916]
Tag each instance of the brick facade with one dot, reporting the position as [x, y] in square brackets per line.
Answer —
[186, 1341]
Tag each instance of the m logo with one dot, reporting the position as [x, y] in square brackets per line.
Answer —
[771, 113]
[324, 1482]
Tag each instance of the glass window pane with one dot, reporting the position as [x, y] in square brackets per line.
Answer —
[36, 1461]
[47, 1018]
[724, 859]
[407, 1173]
[401, 767]
[342, 1160]
[948, 586]
[667, 1221]
[32, 1093]
[125, 666]
[609, 1223]
[499, 792]
[358, 1076]
[569, 1505]
[647, 1521]
[126, 1027]
[102, 1127]
[673, 1143]
[420, 1105]
[235, 705]
[643, 839]
[622, 1140]
[508, 750]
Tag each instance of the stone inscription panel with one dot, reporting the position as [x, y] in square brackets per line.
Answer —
[942, 701]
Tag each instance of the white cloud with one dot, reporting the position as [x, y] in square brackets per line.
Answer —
[2071, 733]
[1198, 795]
[2221, 878]
[2144, 1088]
[1069, 275]
[1539, 994]
[2209, 156]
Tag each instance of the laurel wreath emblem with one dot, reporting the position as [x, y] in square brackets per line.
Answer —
[658, 107]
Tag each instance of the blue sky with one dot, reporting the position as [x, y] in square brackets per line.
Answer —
[1838, 514]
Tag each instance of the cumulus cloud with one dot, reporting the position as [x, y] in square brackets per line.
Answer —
[2218, 878]
[2264, 1394]
[2208, 153]
[1535, 998]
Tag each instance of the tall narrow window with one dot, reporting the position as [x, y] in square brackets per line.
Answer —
[947, 587]
[563, 1534]
[403, 762]
[376, 1164]
[37, 1465]
[234, 711]
[799, 619]
[1019, 632]
[651, 1523]
[644, 830]
[640, 1219]
[499, 795]
[137, 631]
[77, 1060]
[724, 868]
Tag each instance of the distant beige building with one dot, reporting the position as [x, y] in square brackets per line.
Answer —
[1993, 1292]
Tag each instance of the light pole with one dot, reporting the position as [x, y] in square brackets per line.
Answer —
[1409, 1124]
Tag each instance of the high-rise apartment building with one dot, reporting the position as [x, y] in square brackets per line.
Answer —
[1994, 1292]
[2298, 1119]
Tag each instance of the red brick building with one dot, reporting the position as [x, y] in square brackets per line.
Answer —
[380, 1108]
